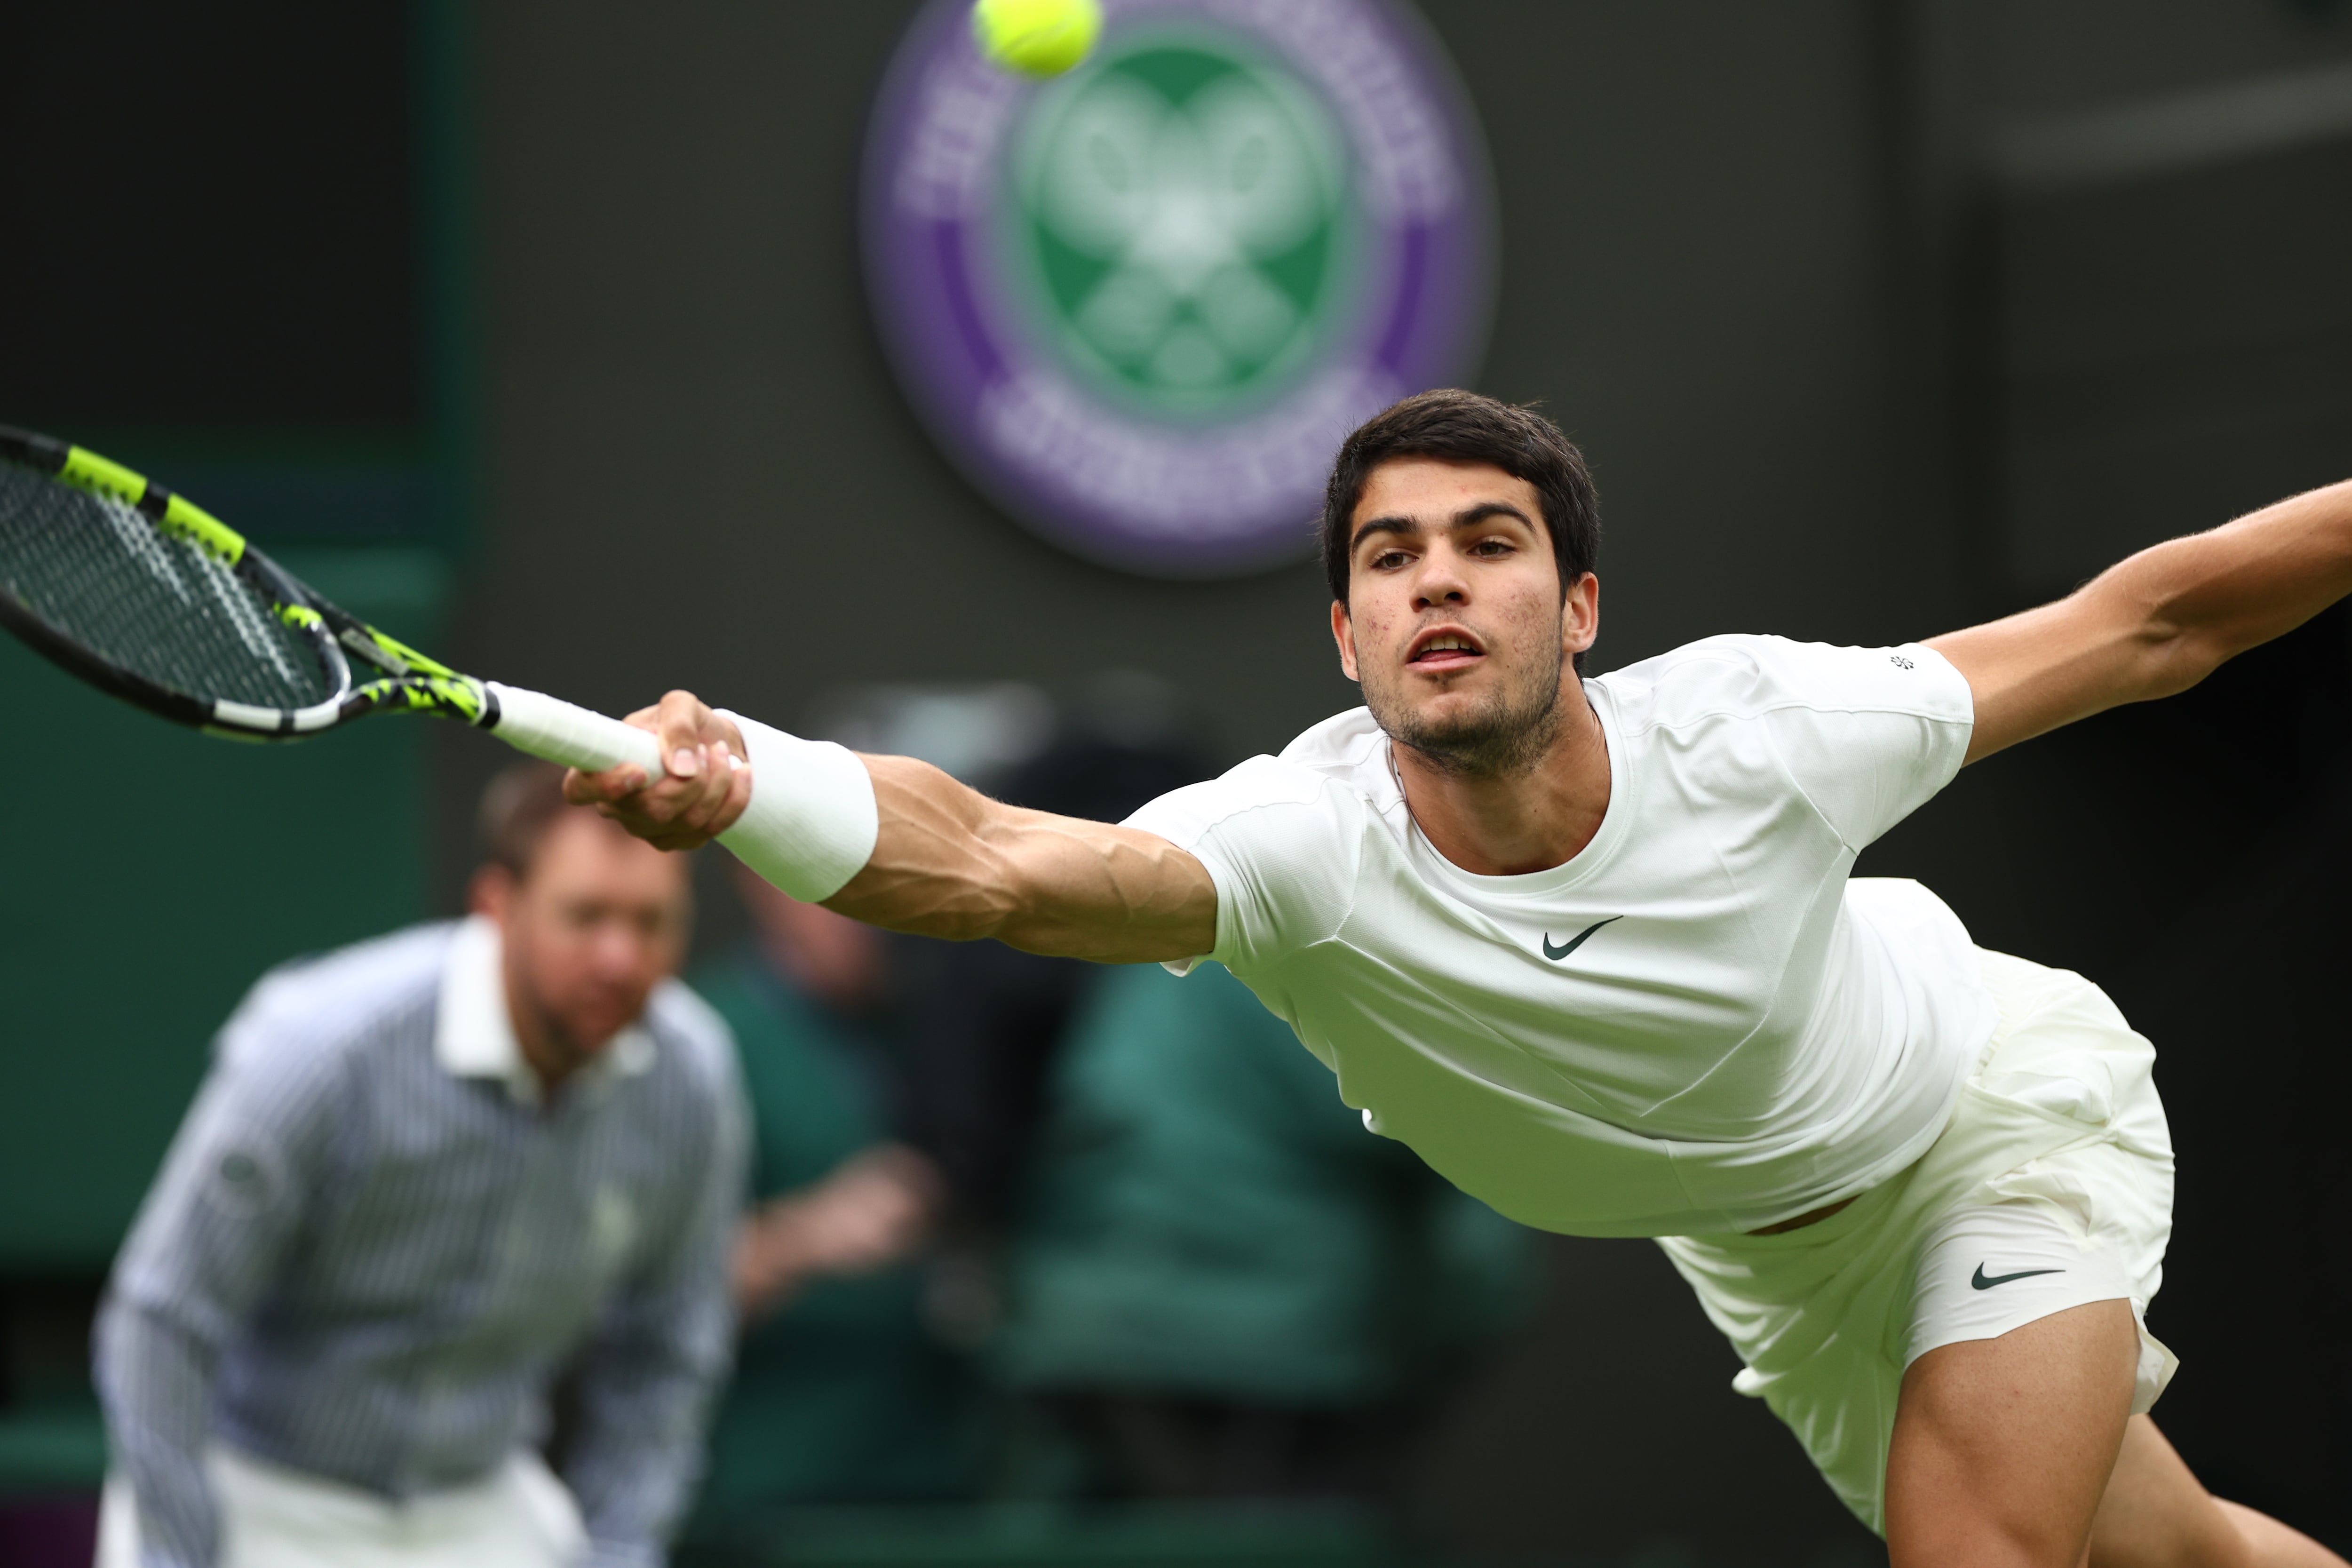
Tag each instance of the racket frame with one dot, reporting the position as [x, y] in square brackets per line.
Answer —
[405, 678]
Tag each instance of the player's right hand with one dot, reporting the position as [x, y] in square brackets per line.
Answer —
[705, 788]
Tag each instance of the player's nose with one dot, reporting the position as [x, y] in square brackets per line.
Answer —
[1439, 583]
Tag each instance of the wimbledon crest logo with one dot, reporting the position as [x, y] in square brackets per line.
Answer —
[1183, 213]
[1140, 304]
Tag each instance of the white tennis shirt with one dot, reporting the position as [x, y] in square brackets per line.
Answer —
[1698, 1024]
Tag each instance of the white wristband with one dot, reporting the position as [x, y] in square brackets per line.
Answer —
[811, 822]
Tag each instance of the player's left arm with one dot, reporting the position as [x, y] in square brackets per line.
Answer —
[2158, 622]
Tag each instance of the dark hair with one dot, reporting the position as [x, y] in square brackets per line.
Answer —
[518, 807]
[1464, 427]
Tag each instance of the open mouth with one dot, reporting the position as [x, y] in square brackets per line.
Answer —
[1443, 648]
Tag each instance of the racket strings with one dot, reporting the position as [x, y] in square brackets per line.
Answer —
[97, 571]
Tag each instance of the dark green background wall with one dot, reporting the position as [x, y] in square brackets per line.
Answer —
[237, 290]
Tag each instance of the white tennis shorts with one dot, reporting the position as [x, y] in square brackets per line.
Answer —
[520, 1517]
[2051, 1188]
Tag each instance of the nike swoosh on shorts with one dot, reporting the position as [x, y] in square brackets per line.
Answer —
[1982, 1282]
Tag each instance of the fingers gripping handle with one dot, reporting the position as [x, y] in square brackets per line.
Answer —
[551, 728]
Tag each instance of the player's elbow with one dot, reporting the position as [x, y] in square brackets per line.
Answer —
[2155, 645]
[2168, 657]
[2179, 615]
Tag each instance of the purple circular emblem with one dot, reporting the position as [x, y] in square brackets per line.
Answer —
[1140, 304]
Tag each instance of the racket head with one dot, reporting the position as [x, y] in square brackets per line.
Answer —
[149, 597]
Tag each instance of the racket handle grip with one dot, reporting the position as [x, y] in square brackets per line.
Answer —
[551, 728]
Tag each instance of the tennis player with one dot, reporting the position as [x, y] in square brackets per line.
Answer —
[1590, 947]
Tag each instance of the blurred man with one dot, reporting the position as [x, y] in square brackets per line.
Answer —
[423, 1174]
[1593, 948]
[840, 1392]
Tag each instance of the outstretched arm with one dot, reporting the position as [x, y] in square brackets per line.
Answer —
[2157, 623]
[947, 860]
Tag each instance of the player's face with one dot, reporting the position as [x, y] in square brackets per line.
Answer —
[1454, 623]
[600, 920]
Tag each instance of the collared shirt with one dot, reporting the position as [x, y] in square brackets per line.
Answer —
[372, 1247]
[473, 1030]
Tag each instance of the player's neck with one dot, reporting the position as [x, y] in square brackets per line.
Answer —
[1527, 821]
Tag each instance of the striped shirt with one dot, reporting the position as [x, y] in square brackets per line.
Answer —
[371, 1249]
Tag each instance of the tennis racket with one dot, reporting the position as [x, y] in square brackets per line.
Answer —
[148, 596]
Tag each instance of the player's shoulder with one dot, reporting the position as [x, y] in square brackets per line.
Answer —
[1327, 775]
[307, 1025]
[1741, 675]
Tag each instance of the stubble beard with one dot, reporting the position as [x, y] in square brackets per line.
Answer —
[557, 1038]
[1503, 737]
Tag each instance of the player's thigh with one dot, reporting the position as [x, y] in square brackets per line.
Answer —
[2002, 1447]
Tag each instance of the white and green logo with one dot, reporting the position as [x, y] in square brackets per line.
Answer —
[1181, 218]
[1142, 303]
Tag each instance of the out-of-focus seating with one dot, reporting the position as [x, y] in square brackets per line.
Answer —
[1222, 1282]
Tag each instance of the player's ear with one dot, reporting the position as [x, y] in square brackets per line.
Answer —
[1344, 633]
[1579, 615]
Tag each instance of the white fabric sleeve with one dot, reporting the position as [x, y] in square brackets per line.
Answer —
[1869, 734]
[1279, 841]
[811, 823]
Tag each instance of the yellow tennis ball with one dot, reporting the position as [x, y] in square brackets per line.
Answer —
[1037, 37]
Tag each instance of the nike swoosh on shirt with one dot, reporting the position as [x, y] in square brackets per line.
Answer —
[1557, 953]
[1984, 1282]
